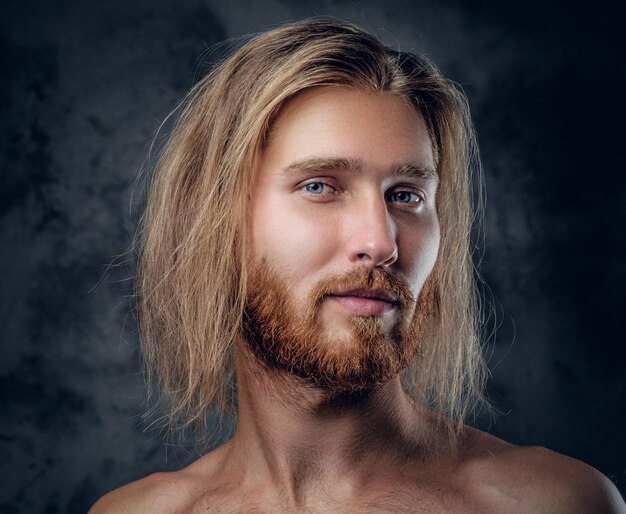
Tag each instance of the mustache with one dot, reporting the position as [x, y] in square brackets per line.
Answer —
[364, 278]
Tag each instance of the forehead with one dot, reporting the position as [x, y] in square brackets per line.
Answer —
[375, 128]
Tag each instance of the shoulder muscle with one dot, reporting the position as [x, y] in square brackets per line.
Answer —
[154, 494]
[561, 484]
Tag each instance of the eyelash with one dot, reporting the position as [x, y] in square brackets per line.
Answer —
[418, 195]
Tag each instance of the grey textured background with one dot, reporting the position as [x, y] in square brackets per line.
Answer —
[84, 86]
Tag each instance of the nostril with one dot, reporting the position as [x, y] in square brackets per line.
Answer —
[361, 255]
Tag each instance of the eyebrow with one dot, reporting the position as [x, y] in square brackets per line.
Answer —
[315, 164]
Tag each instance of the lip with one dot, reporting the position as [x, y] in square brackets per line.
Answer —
[374, 294]
[365, 302]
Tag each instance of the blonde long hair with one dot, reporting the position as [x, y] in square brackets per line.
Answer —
[191, 281]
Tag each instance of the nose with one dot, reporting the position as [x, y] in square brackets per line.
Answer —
[372, 240]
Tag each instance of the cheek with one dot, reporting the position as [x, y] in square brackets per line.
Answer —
[421, 247]
[295, 242]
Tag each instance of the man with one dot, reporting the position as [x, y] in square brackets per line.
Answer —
[305, 263]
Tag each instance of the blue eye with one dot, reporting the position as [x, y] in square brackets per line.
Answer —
[405, 197]
[316, 188]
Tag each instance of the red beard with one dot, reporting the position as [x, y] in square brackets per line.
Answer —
[285, 340]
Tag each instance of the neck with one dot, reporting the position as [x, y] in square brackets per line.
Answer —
[297, 435]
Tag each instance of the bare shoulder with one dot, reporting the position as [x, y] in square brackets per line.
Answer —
[537, 479]
[170, 492]
[566, 484]
[160, 492]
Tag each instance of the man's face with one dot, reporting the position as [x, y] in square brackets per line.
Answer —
[344, 233]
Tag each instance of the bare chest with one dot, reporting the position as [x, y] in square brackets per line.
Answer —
[412, 500]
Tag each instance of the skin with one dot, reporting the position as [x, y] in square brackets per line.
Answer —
[297, 448]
